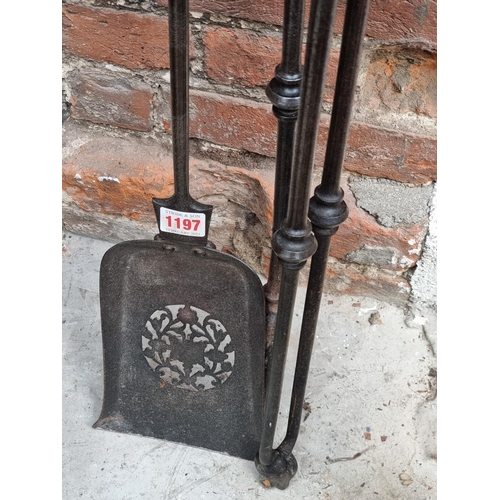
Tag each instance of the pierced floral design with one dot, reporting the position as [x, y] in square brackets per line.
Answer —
[188, 348]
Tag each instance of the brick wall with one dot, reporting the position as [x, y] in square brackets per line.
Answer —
[117, 149]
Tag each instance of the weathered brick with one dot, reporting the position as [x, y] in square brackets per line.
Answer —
[235, 56]
[111, 99]
[402, 81]
[394, 20]
[392, 203]
[388, 20]
[331, 75]
[248, 125]
[119, 175]
[112, 175]
[135, 41]
[366, 282]
[361, 240]
[240, 57]
[229, 121]
[358, 280]
[270, 12]
[393, 155]
[242, 124]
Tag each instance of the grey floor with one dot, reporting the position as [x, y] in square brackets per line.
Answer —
[369, 428]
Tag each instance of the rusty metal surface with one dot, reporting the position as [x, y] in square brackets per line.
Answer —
[183, 332]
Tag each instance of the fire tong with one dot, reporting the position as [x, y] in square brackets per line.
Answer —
[296, 239]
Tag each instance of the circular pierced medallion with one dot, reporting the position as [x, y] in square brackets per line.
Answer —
[187, 348]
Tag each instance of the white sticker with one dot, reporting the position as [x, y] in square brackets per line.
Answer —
[186, 223]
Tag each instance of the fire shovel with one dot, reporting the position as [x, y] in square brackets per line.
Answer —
[183, 325]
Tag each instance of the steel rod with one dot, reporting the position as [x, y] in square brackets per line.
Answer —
[294, 242]
[276, 373]
[308, 331]
[178, 13]
[327, 209]
[284, 93]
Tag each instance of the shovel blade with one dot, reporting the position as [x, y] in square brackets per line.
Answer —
[183, 335]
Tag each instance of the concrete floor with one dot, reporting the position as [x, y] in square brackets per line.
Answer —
[369, 430]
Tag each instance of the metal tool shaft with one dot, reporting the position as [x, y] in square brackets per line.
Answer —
[178, 13]
[178, 16]
[284, 93]
[294, 242]
[327, 208]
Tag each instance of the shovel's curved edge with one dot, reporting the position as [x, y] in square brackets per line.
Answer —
[183, 331]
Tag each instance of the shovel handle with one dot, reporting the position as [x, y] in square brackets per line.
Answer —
[179, 90]
[180, 217]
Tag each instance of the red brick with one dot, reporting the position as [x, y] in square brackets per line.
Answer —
[244, 124]
[403, 81]
[402, 21]
[119, 175]
[362, 230]
[331, 75]
[393, 155]
[378, 152]
[233, 122]
[366, 282]
[388, 20]
[242, 57]
[114, 176]
[111, 99]
[135, 41]
[109, 174]
[270, 12]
